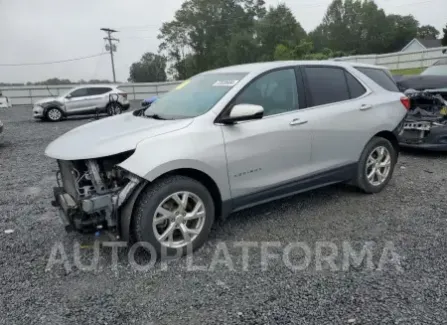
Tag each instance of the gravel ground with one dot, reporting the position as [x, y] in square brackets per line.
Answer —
[409, 289]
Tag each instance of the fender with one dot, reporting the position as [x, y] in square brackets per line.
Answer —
[54, 103]
[221, 179]
[126, 213]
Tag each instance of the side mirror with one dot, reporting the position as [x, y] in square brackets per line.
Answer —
[68, 96]
[243, 112]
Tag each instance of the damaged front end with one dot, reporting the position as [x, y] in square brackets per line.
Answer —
[91, 192]
[425, 126]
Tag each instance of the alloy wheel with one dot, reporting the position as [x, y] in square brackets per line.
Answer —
[179, 219]
[378, 166]
[54, 114]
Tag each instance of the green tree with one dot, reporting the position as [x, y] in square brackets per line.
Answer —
[427, 32]
[203, 30]
[150, 68]
[278, 26]
[402, 29]
[444, 39]
[361, 27]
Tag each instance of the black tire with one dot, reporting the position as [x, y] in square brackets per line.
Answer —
[361, 180]
[54, 114]
[114, 109]
[152, 196]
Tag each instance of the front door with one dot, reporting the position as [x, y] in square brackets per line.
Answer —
[268, 154]
[78, 101]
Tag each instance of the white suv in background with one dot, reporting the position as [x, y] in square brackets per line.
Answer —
[87, 99]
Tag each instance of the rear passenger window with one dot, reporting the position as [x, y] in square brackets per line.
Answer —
[98, 90]
[355, 87]
[326, 85]
[381, 77]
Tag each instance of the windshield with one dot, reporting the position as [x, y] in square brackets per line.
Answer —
[435, 70]
[195, 96]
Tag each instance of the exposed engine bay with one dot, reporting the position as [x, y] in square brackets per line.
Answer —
[427, 117]
[90, 192]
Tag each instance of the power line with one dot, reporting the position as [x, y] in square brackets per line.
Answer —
[50, 62]
[111, 47]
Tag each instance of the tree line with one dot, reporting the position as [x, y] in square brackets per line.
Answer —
[208, 34]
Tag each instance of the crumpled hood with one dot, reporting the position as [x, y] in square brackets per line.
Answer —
[109, 136]
[46, 100]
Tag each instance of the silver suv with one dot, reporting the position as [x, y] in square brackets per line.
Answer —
[223, 141]
[82, 100]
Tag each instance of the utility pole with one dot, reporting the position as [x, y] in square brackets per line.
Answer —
[111, 47]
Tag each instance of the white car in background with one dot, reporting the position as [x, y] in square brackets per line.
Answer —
[82, 100]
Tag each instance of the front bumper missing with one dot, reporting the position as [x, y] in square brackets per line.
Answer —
[86, 215]
[95, 212]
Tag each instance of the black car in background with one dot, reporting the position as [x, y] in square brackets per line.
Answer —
[432, 79]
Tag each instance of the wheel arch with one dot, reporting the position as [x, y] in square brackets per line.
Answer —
[391, 137]
[222, 209]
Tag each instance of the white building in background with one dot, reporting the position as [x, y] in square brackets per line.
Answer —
[419, 44]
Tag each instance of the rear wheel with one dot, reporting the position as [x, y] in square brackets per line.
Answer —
[54, 114]
[114, 109]
[174, 215]
[376, 165]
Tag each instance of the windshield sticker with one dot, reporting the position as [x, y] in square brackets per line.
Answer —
[183, 84]
[225, 83]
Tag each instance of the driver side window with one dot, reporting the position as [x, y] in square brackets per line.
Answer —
[275, 91]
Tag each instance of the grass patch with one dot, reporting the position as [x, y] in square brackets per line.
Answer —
[407, 72]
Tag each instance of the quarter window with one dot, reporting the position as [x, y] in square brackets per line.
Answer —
[275, 91]
[381, 77]
[355, 87]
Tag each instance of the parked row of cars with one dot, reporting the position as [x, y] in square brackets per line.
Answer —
[226, 140]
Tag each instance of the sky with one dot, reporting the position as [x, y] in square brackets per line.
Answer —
[34, 31]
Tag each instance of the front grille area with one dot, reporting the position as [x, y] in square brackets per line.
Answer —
[68, 178]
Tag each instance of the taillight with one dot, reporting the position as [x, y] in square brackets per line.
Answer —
[406, 102]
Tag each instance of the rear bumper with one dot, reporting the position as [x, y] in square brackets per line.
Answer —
[126, 106]
[435, 139]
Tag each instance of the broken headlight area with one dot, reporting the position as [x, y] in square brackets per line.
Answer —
[90, 192]
[427, 112]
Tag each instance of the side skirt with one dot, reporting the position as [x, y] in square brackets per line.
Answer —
[307, 183]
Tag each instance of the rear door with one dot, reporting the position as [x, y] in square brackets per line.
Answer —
[98, 97]
[345, 117]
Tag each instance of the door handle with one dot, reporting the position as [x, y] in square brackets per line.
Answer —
[297, 121]
[365, 107]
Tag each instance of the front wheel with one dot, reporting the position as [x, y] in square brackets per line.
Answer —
[54, 114]
[174, 215]
[376, 165]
